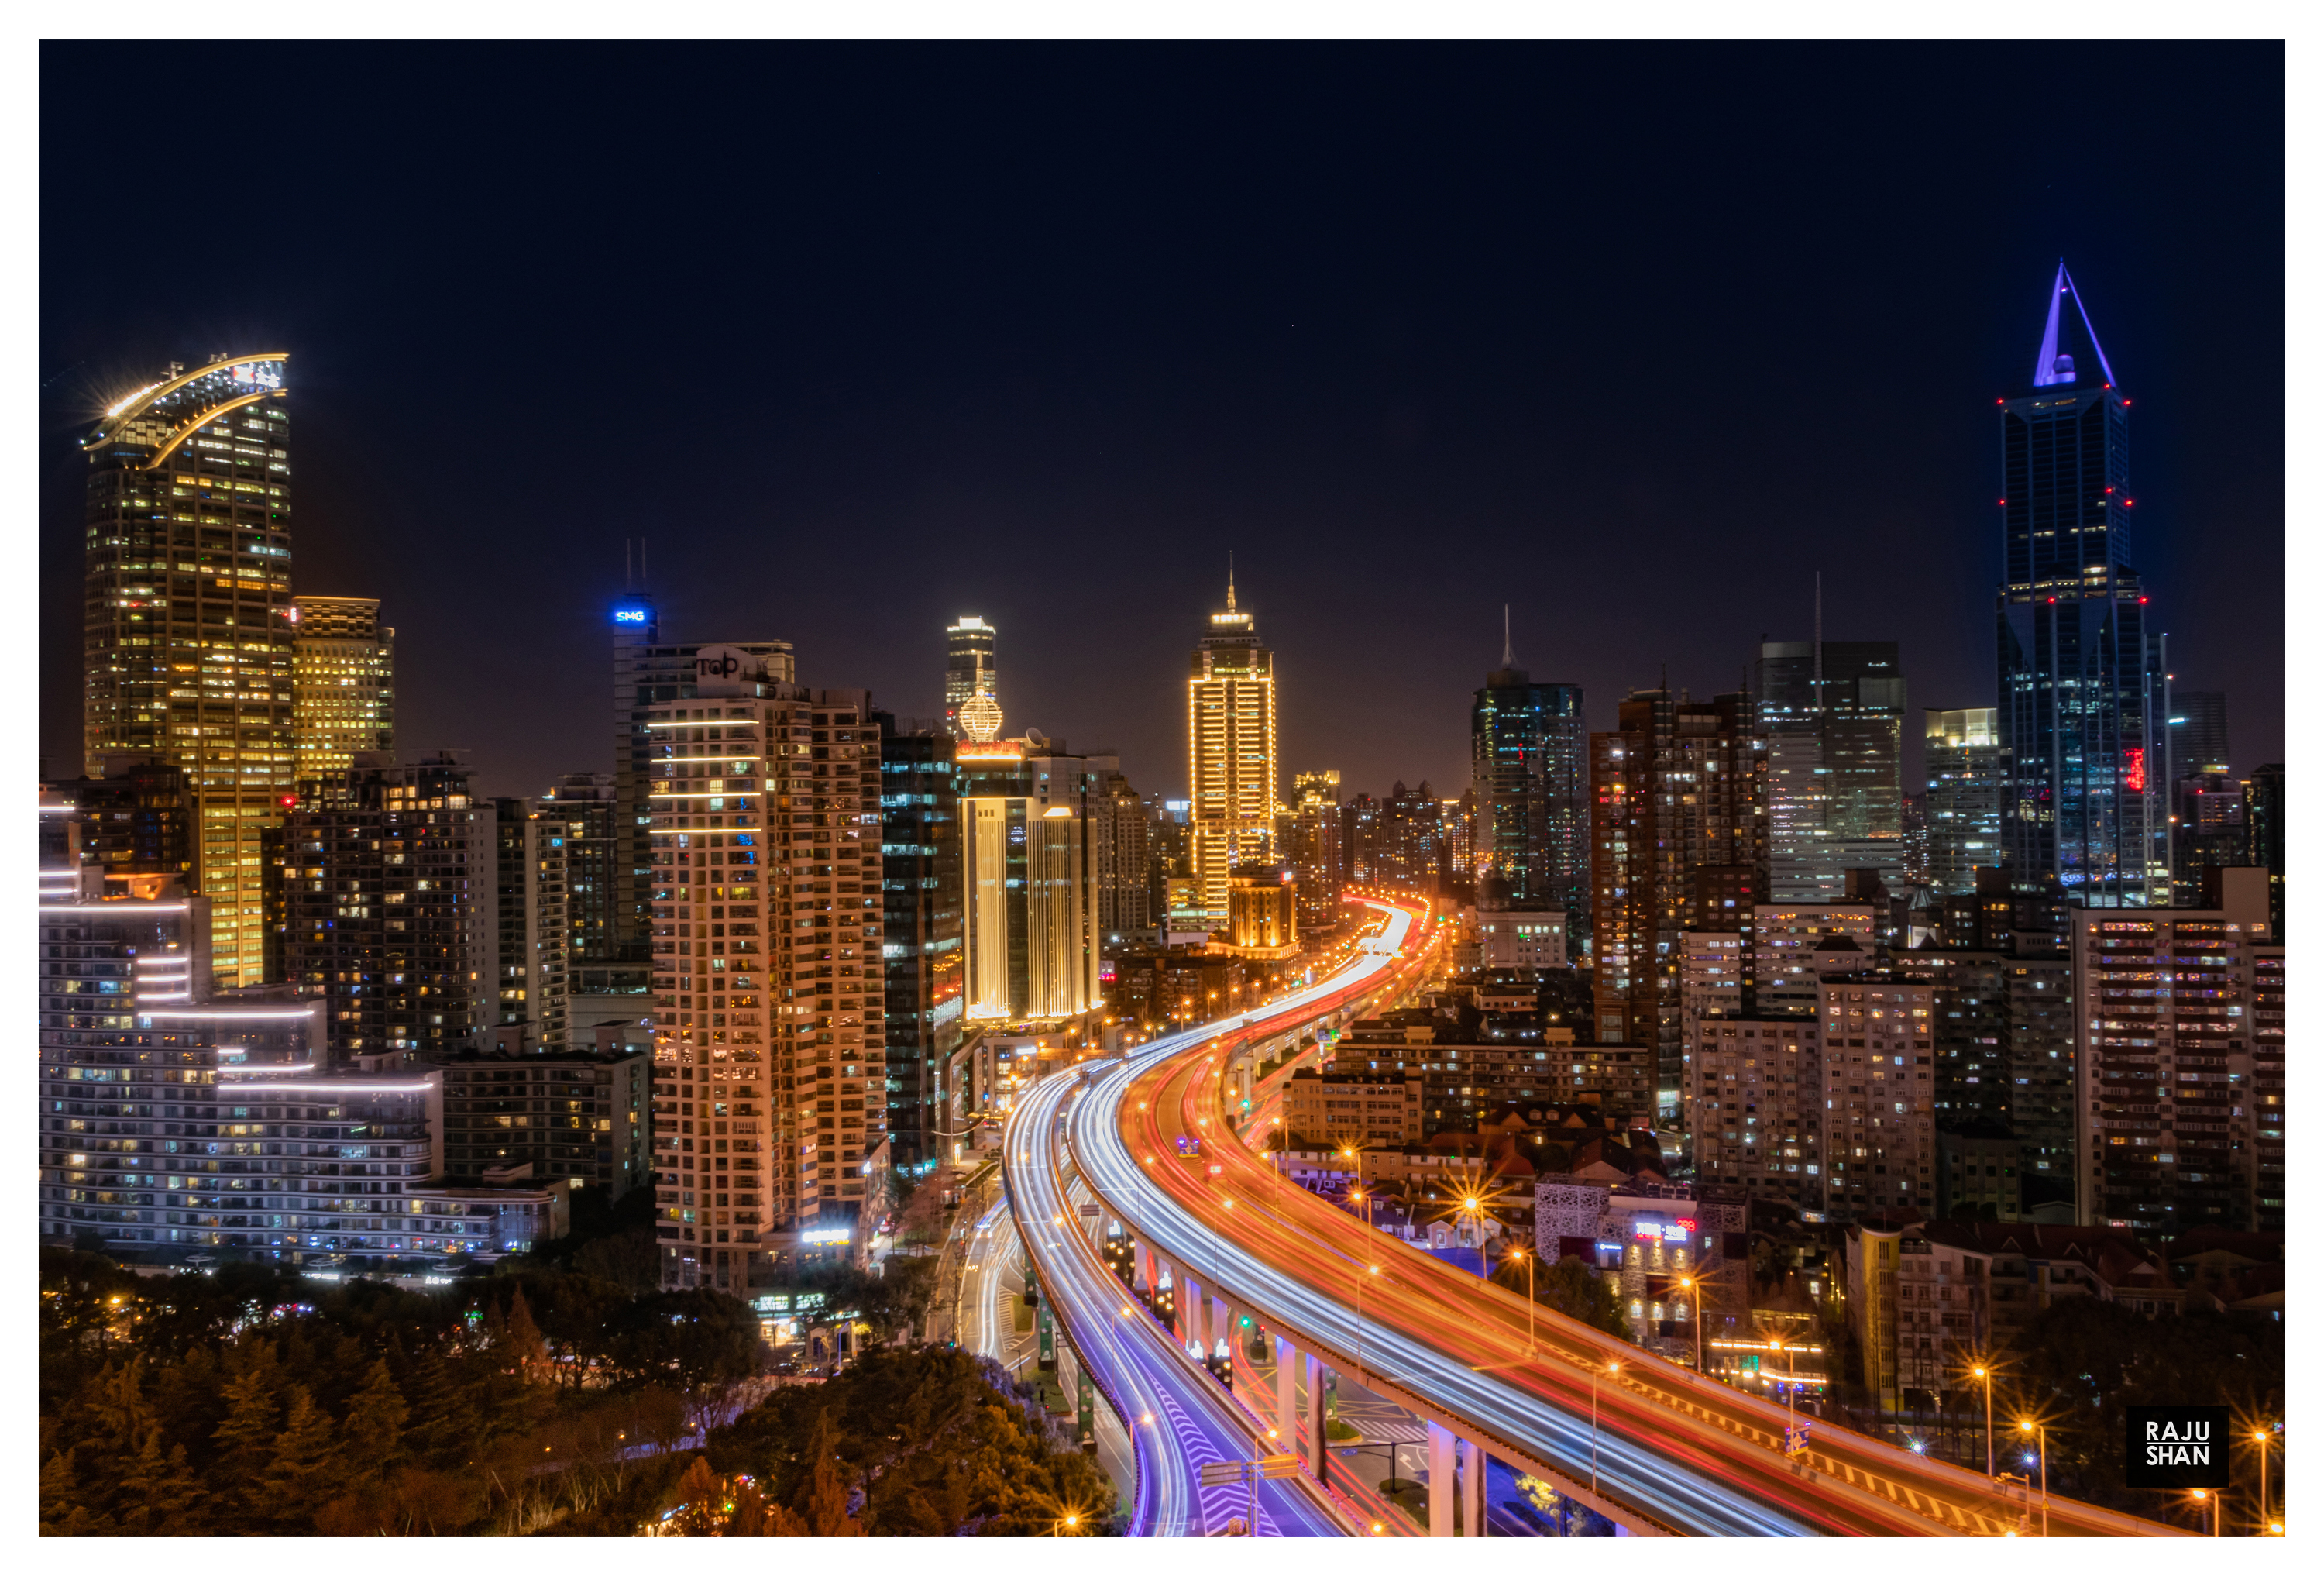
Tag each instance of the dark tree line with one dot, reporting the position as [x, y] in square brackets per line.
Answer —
[251, 1402]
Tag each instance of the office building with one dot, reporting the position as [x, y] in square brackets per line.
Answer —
[2081, 680]
[1674, 790]
[2165, 1075]
[1529, 763]
[186, 634]
[921, 941]
[769, 1039]
[135, 819]
[585, 808]
[388, 906]
[1962, 750]
[1832, 713]
[1360, 827]
[2264, 806]
[2199, 733]
[1458, 819]
[1230, 755]
[1412, 849]
[969, 672]
[574, 1116]
[2209, 829]
[1263, 912]
[1030, 943]
[342, 682]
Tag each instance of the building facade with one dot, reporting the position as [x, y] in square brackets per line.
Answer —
[1230, 734]
[2168, 1057]
[1879, 1087]
[1832, 713]
[971, 669]
[2082, 690]
[1962, 753]
[342, 682]
[1529, 762]
[578, 1116]
[187, 628]
[1756, 1107]
[769, 1042]
[1031, 947]
[387, 909]
[921, 934]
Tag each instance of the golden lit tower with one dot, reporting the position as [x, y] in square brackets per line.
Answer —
[187, 631]
[343, 674]
[1231, 755]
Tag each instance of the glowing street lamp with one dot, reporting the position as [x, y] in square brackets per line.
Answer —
[1984, 1372]
[1519, 1252]
[1614, 1366]
[2263, 1438]
[2041, 1443]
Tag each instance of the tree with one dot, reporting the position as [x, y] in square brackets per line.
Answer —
[374, 1423]
[700, 1501]
[1579, 1292]
[305, 1461]
[524, 1341]
[822, 1503]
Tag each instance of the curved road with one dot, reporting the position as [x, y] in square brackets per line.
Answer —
[1667, 1452]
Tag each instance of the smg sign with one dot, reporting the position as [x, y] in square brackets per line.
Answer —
[2177, 1447]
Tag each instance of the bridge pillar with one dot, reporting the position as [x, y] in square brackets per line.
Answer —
[1287, 1394]
[1142, 1271]
[1316, 1438]
[1473, 1489]
[1223, 1327]
[1440, 1441]
[1188, 1299]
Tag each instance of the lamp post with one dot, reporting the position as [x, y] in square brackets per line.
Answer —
[2041, 1443]
[1982, 1372]
[2216, 1501]
[1694, 1289]
[1519, 1252]
[1613, 1366]
[2261, 1438]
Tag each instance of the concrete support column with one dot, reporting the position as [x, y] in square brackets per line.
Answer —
[1316, 1439]
[1141, 1270]
[1222, 1327]
[1287, 1394]
[1440, 1441]
[1473, 1489]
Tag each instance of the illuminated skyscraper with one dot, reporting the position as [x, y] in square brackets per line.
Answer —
[1529, 756]
[187, 631]
[970, 671]
[343, 679]
[1314, 853]
[1832, 715]
[2082, 693]
[1231, 755]
[1962, 753]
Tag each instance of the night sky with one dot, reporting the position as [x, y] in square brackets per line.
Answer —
[1634, 339]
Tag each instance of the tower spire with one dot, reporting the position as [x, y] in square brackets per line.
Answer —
[1230, 607]
[1819, 647]
[2049, 365]
[1508, 653]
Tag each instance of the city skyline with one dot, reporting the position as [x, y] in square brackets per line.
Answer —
[1292, 411]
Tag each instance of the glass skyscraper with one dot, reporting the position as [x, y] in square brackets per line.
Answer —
[2081, 685]
[1832, 714]
[342, 676]
[1230, 743]
[970, 653]
[1529, 757]
[1962, 753]
[186, 630]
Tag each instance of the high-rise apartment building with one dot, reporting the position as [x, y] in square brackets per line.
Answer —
[1962, 753]
[921, 944]
[1832, 715]
[770, 1039]
[1123, 851]
[1754, 1106]
[136, 819]
[533, 955]
[1313, 852]
[1789, 947]
[2207, 829]
[584, 807]
[1674, 790]
[1230, 754]
[186, 633]
[2263, 828]
[649, 673]
[2168, 1057]
[2081, 682]
[343, 679]
[1412, 848]
[389, 910]
[577, 1114]
[971, 670]
[1529, 763]
[1879, 1093]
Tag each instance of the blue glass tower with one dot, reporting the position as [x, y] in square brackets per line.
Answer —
[1529, 752]
[2081, 695]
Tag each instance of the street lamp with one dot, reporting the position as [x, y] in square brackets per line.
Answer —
[1694, 1284]
[1985, 1374]
[2041, 1443]
[1613, 1366]
[2217, 1500]
[2263, 1438]
[1519, 1252]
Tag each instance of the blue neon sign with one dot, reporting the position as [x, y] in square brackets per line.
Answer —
[629, 615]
